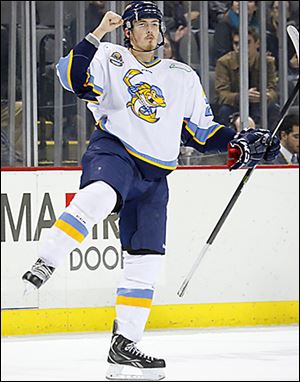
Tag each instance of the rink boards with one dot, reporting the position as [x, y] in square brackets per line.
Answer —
[250, 276]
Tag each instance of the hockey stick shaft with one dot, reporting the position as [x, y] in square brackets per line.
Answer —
[234, 199]
[238, 191]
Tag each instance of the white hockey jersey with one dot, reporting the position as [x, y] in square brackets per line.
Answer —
[144, 105]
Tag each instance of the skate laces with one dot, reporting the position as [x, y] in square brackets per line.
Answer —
[41, 270]
[131, 348]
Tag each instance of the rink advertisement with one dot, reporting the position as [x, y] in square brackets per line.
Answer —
[89, 274]
[251, 271]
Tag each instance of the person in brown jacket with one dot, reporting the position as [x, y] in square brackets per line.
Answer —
[228, 82]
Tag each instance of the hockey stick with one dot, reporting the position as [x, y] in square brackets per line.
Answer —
[294, 34]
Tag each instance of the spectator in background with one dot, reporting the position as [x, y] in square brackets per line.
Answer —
[176, 20]
[217, 11]
[94, 13]
[231, 23]
[6, 145]
[174, 15]
[289, 139]
[169, 48]
[273, 36]
[228, 83]
[235, 122]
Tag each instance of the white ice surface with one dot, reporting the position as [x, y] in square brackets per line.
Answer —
[243, 354]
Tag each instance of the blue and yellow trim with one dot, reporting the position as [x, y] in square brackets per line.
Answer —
[66, 320]
[90, 81]
[201, 135]
[141, 298]
[150, 64]
[72, 227]
[172, 165]
[64, 68]
[166, 165]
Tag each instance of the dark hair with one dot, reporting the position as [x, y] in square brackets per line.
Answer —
[232, 120]
[289, 122]
[252, 31]
[289, 2]
[172, 43]
[138, 10]
[235, 32]
[256, 3]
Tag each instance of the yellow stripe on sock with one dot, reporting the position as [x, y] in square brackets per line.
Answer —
[132, 301]
[70, 231]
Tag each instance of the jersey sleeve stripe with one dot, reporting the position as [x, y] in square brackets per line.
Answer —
[91, 82]
[64, 71]
[201, 135]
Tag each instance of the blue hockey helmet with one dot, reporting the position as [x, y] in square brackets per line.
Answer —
[138, 10]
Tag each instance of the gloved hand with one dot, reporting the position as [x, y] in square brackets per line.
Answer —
[273, 150]
[251, 146]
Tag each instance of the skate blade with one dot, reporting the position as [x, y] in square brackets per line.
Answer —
[29, 288]
[130, 373]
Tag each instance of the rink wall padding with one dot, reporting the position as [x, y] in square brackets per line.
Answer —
[49, 321]
[250, 276]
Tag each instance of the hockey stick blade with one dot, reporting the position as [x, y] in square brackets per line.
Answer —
[294, 35]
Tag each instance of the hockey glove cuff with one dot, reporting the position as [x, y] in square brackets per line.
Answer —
[273, 150]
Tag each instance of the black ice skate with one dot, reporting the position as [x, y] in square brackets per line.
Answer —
[129, 363]
[37, 276]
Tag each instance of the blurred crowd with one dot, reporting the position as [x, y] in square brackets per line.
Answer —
[224, 70]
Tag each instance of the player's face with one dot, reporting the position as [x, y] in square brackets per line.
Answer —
[145, 34]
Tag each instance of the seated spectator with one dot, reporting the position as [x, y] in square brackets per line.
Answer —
[273, 37]
[217, 11]
[228, 83]
[231, 23]
[235, 122]
[176, 20]
[176, 15]
[289, 139]
[169, 48]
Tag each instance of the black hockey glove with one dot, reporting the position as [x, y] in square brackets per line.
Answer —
[273, 150]
[251, 146]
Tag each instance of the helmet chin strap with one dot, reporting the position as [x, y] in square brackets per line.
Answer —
[147, 51]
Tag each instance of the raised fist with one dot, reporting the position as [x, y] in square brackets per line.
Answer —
[110, 22]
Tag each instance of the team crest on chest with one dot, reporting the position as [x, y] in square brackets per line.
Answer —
[117, 59]
[146, 99]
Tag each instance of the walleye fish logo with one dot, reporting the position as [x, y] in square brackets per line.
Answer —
[146, 99]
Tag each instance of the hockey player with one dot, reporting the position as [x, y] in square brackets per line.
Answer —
[144, 108]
